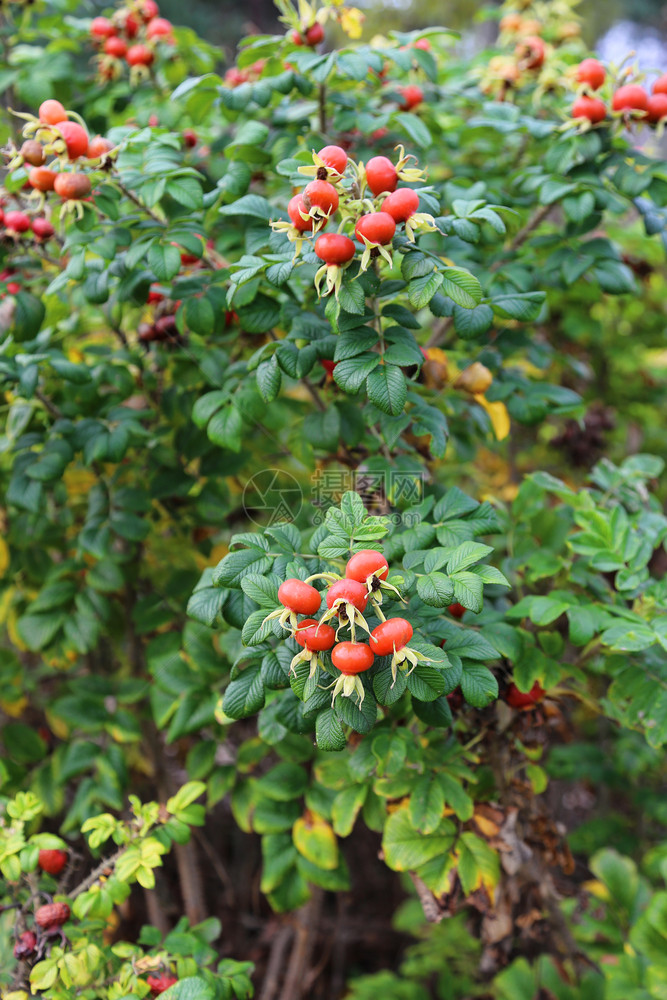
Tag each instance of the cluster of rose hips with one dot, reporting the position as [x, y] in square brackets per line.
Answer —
[528, 57]
[52, 136]
[347, 599]
[49, 919]
[630, 100]
[368, 199]
[234, 76]
[163, 327]
[130, 37]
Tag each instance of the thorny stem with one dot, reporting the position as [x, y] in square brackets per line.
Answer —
[96, 873]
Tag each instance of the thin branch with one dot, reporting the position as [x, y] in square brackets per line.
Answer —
[97, 872]
[51, 407]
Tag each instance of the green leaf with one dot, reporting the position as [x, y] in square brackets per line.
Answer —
[414, 128]
[269, 378]
[524, 306]
[427, 803]
[461, 286]
[164, 260]
[329, 732]
[435, 589]
[421, 290]
[478, 684]
[406, 848]
[425, 683]
[387, 389]
[245, 695]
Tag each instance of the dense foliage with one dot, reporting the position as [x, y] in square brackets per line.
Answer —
[371, 335]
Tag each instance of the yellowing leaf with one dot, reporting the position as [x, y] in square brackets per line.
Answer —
[4, 556]
[485, 825]
[316, 841]
[597, 889]
[478, 864]
[14, 708]
[500, 419]
[351, 21]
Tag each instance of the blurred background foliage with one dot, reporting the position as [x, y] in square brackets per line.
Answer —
[223, 22]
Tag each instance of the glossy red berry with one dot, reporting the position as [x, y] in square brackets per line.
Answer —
[531, 52]
[322, 195]
[657, 107]
[457, 610]
[401, 204]
[592, 73]
[160, 982]
[149, 10]
[299, 597]
[315, 34]
[411, 97]
[25, 945]
[352, 657]
[377, 227]
[140, 55]
[160, 27]
[189, 138]
[13, 287]
[102, 27]
[391, 635]
[42, 229]
[334, 248]
[632, 97]
[75, 136]
[98, 146]
[348, 592]
[295, 207]
[51, 112]
[18, 222]
[660, 85]
[423, 44]
[314, 636]
[334, 157]
[52, 915]
[381, 175]
[132, 25]
[328, 365]
[368, 562]
[589, 107]
[53, 861]
[115, 47]
[297, 37]
[520, 699]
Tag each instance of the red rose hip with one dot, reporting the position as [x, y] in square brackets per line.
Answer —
[352, 657]
[334, 248]
[299, 597]
[314, 636]
[381, 175]
[367, 563]
[391, 635]
[401, 204]
[54, 861]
